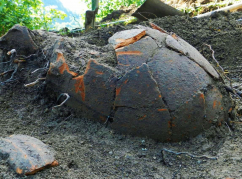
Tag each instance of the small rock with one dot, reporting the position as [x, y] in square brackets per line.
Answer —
[46, 110]
[129, 156]
[117, 157]
[82, 142]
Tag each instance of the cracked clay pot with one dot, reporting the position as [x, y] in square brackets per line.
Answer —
[161, 87]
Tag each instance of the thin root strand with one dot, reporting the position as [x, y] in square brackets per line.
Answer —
[9, 71]
[34, 83]
[223, 74]
[191, 155]
[62, 94]
[11, 78]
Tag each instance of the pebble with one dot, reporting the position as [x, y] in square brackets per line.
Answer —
[129, 156]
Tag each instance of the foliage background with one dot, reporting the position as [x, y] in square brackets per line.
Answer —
[29, 13]
[107, 6]
[34, 15]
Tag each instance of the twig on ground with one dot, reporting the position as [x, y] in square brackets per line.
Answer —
[191, 155]
[62, 94]
[228, 127]
[19, 61]
[34, 83]
[11, 78]
[235, 122]
[22, 59]
[44, 68]
[143, 16]
[11, 52]
[108, 120]
[223, 74]
[217, 63]
[9, 71]
[146, 13]
[38, 70]
[234, 91]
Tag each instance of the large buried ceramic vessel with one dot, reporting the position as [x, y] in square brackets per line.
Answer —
[166, 91]
[158, 85]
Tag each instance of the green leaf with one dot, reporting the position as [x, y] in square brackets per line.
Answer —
[28, 13]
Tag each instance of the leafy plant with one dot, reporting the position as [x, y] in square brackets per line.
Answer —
[200, 9]
[106, 6]
[30, 13]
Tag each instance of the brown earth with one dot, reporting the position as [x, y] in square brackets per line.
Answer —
[86, 149]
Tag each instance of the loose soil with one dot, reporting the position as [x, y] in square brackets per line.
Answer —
[86, 149]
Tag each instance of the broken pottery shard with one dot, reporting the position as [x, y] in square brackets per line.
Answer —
[135, 54]
[26, 155]
[156, 35]
[138, 89]
[19, 38]
[183, 47]
[59, 72]
[94, 90]
[91, 93]
[187, 122]
[177, 76]
[139, 107]
[156, 27]
[124, 38]
[216, 101]
[200, 117]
